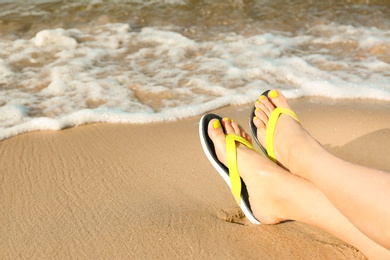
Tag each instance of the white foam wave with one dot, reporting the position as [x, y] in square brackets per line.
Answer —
[109, 73]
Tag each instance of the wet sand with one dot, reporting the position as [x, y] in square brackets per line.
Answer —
[148, 192]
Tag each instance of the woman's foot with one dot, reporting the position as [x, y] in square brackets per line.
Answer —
[276, 195]
[289, 136]
[264, 179]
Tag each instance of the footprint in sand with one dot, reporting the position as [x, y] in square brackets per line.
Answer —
[233, 215]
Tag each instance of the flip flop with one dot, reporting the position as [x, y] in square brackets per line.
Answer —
[270, 131]
[229, 175]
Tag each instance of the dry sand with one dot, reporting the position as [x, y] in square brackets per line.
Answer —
[117, 191]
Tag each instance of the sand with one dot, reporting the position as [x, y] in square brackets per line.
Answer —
[117, 191]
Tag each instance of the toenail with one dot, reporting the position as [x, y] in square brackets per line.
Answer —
[257, 102]
[216, 124]
[226, 119]
[273, 93]
[258, 109]
[261, 97]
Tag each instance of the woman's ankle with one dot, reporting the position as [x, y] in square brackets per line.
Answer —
[302, 155]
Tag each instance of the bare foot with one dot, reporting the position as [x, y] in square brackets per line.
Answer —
[262, 177]
[289, 136]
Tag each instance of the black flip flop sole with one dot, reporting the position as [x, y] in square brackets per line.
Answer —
[209, 149]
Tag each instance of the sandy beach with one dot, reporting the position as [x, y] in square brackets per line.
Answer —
[117, 191]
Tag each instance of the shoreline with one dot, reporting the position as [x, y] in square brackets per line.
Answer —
[147, 191]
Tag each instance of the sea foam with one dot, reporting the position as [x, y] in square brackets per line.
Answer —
[112, 73]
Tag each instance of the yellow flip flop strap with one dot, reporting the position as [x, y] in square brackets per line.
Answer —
[231, 153]
[271, 126]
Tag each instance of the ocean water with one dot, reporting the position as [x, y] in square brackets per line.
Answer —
[68, 63]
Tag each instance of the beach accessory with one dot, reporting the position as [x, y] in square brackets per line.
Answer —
[229, 174]
[271, 126]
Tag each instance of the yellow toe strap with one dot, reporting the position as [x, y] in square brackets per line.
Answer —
[231, 151]
[273, 120]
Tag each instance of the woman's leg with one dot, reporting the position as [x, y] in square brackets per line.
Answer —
[276, 195]
[360, 193]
